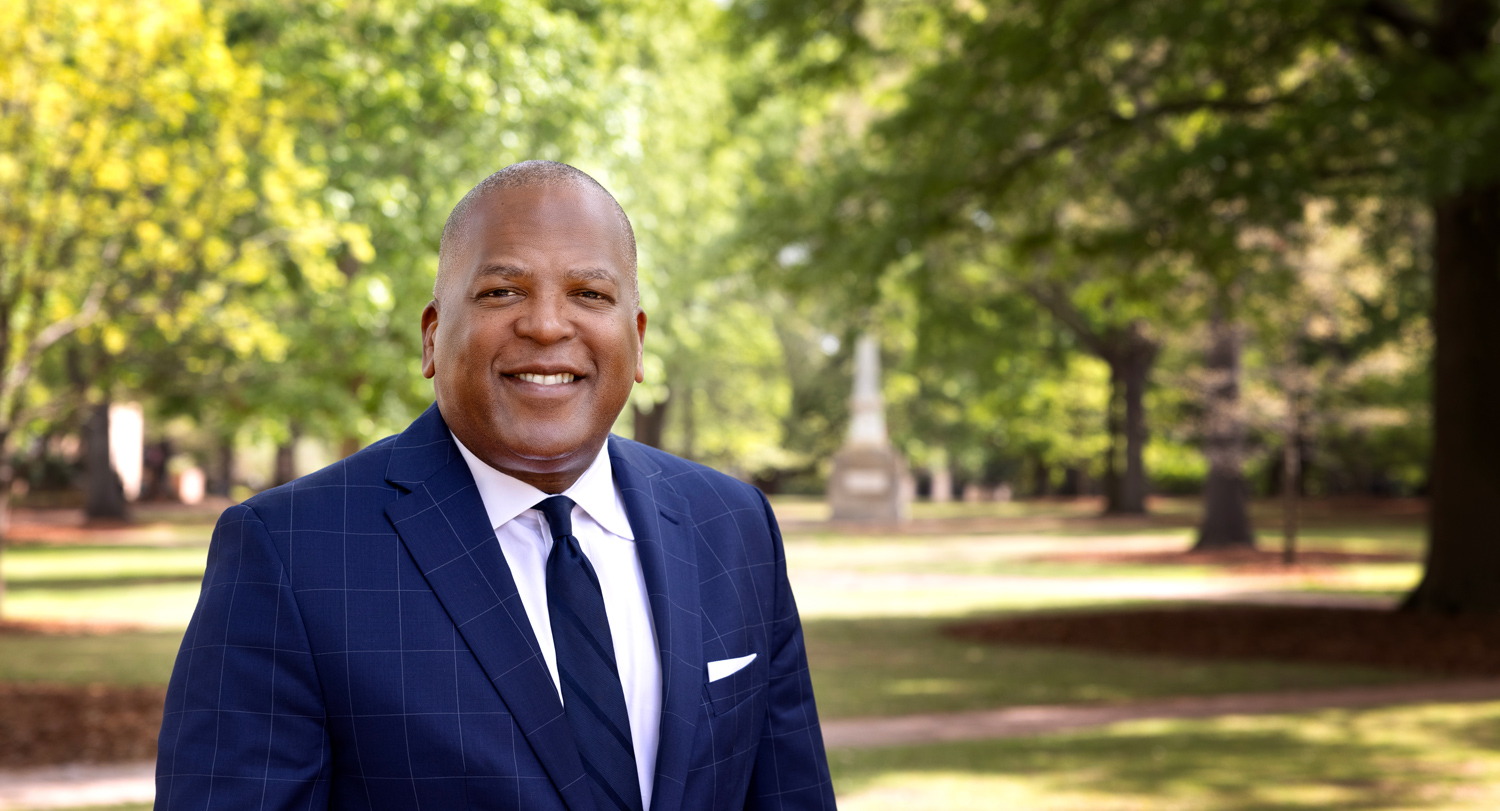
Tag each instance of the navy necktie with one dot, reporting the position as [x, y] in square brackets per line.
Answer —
[593, 700]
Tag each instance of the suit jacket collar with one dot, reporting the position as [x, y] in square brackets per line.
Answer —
[444, 526]
[424, 448]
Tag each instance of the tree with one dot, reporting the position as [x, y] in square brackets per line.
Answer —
[1230, 115]
[144, 182]
[1341, 355]
[405, 108]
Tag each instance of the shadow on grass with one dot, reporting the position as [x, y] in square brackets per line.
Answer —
[1327, 761]
[901, 665]
[1483, 733]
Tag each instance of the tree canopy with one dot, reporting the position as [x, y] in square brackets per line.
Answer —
[1173, 150]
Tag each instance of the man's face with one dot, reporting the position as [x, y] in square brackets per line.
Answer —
[534, 339]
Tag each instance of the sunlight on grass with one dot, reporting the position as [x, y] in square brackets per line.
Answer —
[155, 605]
[1389, 577]
[193, 533]
[901, 665]
[975, 554]
[1434, 757]
[131, 807]
[26, 564]
[1362, 539]
[945, 574]
[818, 599]
[154, 587]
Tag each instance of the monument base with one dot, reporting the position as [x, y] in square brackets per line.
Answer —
[867, 485]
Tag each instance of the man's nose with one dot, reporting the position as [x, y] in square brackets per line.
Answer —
[545, 319]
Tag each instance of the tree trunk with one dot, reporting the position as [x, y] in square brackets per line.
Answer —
[689, 425]
[1463, 552]
[222, 482]
[1072, 483]
[286, 459]
[104, 496]
[1135, 485]
[7, 477]
[156, 485]
[1130, 361]
[1226, 517]
[649, 425]
[1291, 460]
[1114, 425]
[1041, 475]
[942, 479]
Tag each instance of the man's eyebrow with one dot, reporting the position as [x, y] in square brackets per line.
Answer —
[504, 271]
[585, 274]
[591, 275]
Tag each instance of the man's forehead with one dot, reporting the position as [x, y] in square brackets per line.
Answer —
[509, 216]
[517, 211]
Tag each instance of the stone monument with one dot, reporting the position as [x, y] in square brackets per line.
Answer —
[868, 474]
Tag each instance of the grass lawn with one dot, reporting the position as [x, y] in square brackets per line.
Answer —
[873, 603]
[1428, 757]
[43, 566]
[1054, 545]
[129, 807]
[151, 605]
[147, 586]
[895, 666]
[137, 657]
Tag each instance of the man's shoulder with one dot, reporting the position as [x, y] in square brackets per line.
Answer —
[357, 476]
[689, 479]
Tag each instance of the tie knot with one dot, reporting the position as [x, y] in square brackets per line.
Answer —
[559, 512]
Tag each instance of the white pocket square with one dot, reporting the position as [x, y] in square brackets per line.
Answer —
[728, 667]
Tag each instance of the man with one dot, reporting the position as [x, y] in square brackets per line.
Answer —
[503, 607]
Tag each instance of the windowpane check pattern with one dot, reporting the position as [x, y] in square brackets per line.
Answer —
[360, 644]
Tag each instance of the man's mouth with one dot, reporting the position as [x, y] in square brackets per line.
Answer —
[547, 380]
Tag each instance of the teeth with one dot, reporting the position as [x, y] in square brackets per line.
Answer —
[546, 380]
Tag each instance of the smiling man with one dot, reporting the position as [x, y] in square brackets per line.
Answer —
[503, 607]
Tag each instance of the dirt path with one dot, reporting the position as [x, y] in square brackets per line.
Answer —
[82, 785]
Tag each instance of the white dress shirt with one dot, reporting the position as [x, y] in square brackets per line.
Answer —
[603, 531]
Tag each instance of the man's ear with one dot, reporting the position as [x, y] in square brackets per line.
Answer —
[640, 346]
[429, 333]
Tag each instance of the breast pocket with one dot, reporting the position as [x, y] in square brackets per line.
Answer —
[730, 692]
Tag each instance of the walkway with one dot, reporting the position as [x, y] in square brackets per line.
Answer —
[75, 786]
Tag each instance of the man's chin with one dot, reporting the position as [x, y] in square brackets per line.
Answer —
[546, 454]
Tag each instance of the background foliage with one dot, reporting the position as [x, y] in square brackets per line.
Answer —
[230, 212]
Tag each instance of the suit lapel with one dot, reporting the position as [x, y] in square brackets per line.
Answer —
[668, 550]
[444, 526]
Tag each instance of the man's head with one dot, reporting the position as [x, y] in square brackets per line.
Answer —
[533, 336]
[521, 175]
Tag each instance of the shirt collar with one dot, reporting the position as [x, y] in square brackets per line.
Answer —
[506, 497]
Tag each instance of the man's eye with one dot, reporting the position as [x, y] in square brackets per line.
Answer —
[498, 293]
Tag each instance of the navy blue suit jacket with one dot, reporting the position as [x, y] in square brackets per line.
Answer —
[359, 643]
